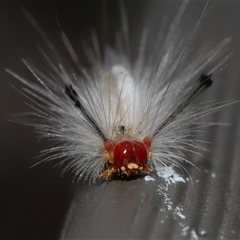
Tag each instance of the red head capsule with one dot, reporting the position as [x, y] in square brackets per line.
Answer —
[127, 156]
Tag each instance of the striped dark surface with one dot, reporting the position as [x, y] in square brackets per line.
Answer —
[37, 203]
[209, 204]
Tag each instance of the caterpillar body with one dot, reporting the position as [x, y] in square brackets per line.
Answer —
[118, 117]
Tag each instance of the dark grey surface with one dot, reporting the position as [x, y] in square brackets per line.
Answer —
[34, 202]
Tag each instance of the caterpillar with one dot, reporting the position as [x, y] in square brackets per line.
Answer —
[120, 117]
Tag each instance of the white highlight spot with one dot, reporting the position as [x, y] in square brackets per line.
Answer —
[185, 231]
[193, 235]
[213, 175]
[181, 215]
[169, 207]
[169, 175]
[148, 178]
[203, 232]
[179, 212]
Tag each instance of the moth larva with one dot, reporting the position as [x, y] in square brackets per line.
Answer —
[118, 117]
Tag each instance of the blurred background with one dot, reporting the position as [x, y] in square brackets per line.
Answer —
[37, 203]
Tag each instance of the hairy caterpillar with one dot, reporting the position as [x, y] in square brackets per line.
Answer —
[119, 117]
